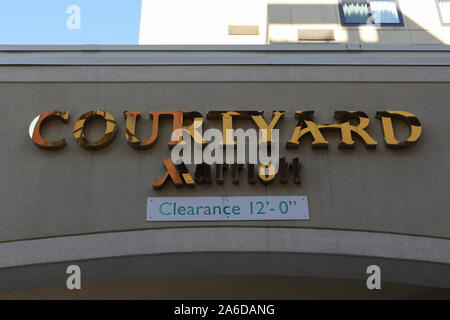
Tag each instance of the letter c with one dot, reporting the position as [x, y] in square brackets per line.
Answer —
[39, 121]
[161, 211]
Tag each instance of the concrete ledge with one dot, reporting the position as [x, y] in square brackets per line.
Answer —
[188, 240]
[271, 47]
[226, 74]
[305, 54]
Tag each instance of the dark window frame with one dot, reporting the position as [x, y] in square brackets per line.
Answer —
[384, 24]
[440, 14]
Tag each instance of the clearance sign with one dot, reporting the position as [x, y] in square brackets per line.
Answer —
[225, 148]
[227, 208]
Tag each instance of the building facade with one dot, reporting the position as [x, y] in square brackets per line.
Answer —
[380, 206]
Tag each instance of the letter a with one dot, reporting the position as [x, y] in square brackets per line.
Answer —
[374, 280]
[74, 280]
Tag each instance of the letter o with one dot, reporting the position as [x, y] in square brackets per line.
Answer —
[108, 137]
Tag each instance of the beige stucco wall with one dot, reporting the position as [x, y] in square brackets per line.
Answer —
[74, 191]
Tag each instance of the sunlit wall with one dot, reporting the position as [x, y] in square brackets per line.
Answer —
[401, 22]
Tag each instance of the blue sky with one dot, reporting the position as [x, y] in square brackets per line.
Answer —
[44, 22]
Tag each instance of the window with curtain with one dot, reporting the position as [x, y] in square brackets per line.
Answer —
[355, 11]
[370, 11]
[384, 11]
[444, 8]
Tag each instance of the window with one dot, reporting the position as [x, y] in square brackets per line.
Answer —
[382, 12]
[444, 10]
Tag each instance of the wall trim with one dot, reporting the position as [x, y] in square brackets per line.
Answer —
[198, 240]
[282, 54]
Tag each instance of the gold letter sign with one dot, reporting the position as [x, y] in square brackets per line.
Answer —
[389, 136]
[350, 124]
[38, 122]
[108, 137]
[177, 124]
[307, 125]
